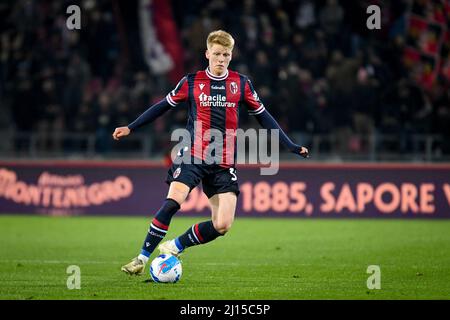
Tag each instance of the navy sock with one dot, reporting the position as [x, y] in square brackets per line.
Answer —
[199, 233]
[159, 226]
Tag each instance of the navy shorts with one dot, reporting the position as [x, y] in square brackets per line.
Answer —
[214, 178]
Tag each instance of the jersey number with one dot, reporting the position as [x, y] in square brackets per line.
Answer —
[233, 173]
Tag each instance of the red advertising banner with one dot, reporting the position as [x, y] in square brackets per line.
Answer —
[298, 190]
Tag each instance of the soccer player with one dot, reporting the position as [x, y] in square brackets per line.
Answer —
[214, 97]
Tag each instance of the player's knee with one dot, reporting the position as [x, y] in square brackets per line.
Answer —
[222, 226]
[178, 194]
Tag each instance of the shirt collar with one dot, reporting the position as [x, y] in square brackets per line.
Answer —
[217, 78]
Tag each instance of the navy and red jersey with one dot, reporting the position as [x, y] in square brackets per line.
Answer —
[214, 103]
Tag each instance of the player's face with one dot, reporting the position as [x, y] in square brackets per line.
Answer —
[219, 58]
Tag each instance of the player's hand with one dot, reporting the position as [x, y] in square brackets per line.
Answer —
[304, 152]
[121, 132]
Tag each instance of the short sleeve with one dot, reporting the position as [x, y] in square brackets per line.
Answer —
[179, 94]
[251, 99]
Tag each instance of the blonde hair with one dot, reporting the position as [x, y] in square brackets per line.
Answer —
[220, 37]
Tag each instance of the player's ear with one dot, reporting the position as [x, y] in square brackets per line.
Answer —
[207, 54]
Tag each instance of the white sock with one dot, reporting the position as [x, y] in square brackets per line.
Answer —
[143, 258]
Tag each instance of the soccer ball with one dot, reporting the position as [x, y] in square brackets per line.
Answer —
[165, 268]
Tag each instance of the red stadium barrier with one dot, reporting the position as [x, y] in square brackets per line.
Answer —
[298, 190]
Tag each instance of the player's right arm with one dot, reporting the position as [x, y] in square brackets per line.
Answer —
[177, 95]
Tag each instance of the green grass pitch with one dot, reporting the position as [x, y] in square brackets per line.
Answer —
[258, 259]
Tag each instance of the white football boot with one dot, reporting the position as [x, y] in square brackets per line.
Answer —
[169, 247]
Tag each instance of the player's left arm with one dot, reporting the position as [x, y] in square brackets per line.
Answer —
[256, 108]
[266, 120]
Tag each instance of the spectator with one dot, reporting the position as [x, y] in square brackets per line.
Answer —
[317, 69]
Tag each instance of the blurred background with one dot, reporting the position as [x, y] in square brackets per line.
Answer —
[346, 92]
[371, 105]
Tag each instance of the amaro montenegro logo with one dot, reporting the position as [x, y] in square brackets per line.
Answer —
[54, 191]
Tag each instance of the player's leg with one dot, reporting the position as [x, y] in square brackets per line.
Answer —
[159, 226]
[221, 187]
[177, 194]
[223, 216]
[182, 179]
[223, 207]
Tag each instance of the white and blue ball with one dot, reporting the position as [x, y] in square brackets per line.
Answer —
[166, 268]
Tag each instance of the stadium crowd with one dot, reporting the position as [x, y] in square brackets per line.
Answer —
[315, 65]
